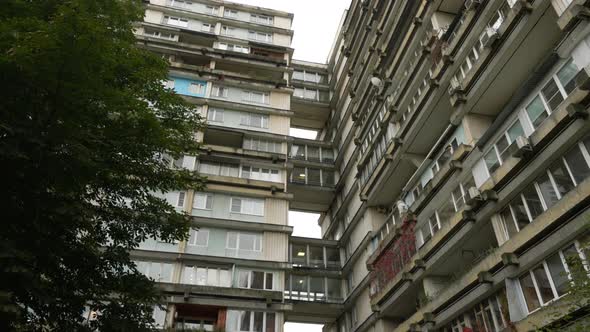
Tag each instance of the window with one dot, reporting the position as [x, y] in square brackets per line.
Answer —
[486, 316]
[254, 120]
[159, 272]
[577, 164]
[249, 206]
[255, 279]
[206, 27]
[227, 31]
[424, 234]
[169, 84]
[566, 76]
[199, 237]
[458, 196]
[260, 173]
[176, 21]
[262, 145]
[180, 3]
[536, 111]
[206, 276]
[251, 321]
[434, 224]
[260, 36]
[234, 48]
[548, 280]
[244, 241]
[211, 10]
[255, 97]
[215, 115]
[306, 93]
[159, 34]
[197, 88]
[230, 13]
[180, 199]
[219, 91]
[221, 169]
[202, 201]
[261, 19]
[502, 148]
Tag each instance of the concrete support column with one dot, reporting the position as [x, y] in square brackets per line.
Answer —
[170, 315]
[475, 126]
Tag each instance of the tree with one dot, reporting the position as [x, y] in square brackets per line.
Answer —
[83, 119]
[572, 312]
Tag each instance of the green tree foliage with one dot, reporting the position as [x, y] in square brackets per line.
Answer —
[83, 116]
[572, 312]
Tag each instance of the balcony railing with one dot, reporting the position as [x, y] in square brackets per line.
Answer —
[394, 259]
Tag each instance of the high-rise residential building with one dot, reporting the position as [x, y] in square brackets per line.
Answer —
[450, 166]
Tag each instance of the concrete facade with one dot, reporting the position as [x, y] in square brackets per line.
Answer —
[450, 167]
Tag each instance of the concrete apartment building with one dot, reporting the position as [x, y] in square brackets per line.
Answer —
[450, 167]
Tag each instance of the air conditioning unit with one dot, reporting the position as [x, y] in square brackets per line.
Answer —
[489, 37]
[473, 196]
[402, 207]
[523, 147]
[454, 86]
[472, 4]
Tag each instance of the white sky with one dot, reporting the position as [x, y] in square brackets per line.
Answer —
[315, 24]
[299, 327]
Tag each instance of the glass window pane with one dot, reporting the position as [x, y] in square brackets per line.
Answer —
[257, 280]
[577, 164]
[313, 153]
[243, 279]
[201, 276]
[547, 190]
[528, 290]
[562, 178]
[543, 283]
[224, 278]
[245, 321]
[536, 112]
[533, 201]
[258, 321]
[520, 215]
[334, 289]
[316, 256]
[491, 160]
[333, 257]
[328, 178]
[558, 274]
[269, 278]
[509, 223]
[299, 175]
[566, 76]
[313, 175]
[552, 94]
[270, 322]
[246, 242]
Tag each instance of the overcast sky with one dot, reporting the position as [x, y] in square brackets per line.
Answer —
[315, 24]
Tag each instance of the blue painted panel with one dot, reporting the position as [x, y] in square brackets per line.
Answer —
[181, 86]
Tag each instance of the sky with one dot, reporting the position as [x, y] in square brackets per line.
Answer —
[315, 24]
